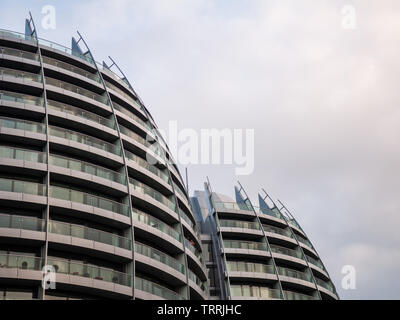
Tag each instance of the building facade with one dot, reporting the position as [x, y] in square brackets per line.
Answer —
[257, 252]
[88, 187]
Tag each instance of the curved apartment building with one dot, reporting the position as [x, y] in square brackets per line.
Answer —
[87, 184]
[257, 252]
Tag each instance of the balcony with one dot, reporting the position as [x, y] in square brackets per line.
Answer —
[156, 223]
[126, 96]
[88, 168]
[255, 292]
[291, 295]
[20, 186]
[159, 197]
[156, 289]
[189, 245]
[81, 113]
[23, 75]
[189, 222]
[283, 232]
[148, 145]
[89, 199]
[21, 262]
[144, 164]
[197, 281]
[22, 154]
[294, 274]
[16, 36]
[69, 67]
[84, 139]
[248, 245]
[159, 256]
[90, 271]
[24, 125]
[78, 90]
[21, 98]
[315, 262]
[239, 224]
[242, 266]
[22, 222]
[77, 231]
[325, 284]
[270, 212]
[231, 206]
[132, 116]
[287, 251]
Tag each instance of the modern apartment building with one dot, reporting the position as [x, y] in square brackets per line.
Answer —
[90, 191]
[87, 184]
[257, 252]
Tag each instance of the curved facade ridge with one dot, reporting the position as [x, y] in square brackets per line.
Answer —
[83, 189]
[258, 252]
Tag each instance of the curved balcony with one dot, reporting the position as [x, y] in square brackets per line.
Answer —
[326, 287]
[306, 245]
[145, 126]
[268, 215]
[70, 273]
[233, 208]
[197, 285]
[69, 200]
[22, 76]
[317, 266]
[105, 243]
[244, 228]
[242, 270]
[295, 256]
[31, 193]
[21, 54]
[93, 174]
[182, 197]
[23, 130]
[21, 268]
[155, 229]
[291, 295]
[22, 104]
[28, 229]
[195, 258]
[248, 292]
[296, 277]
[296, 227]
[29, 160]
[279, 235]
[148, 290]
[246, 248]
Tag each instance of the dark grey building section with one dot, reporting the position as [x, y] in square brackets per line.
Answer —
[257, 252]
[87, 184]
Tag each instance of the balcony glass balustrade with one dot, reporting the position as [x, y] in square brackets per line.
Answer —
[197, 280]
[21, 98]
[63, 107]
[291, 295]
[305, 241]
[156, 289]
[159, 256]
[86, 167]
[287, 251]
[22, 154]
[259, 292]
[283, 232]
[84, 139]
[231, 206]
[15, 35]
[315, 262]
[78, 90]
[88, 199]
[191, 246]
[82, 232]
[242, 266]
[156, 223]
[249, 245]
[156, 195]
[10, 185]
[24, 75]
[77, 268]
[19, 53]
[239, 224]
[272, 212]
[294, 274]
[22, 262]
[21, 222]
[152, 145]
[131, 115]
[25, 125]
[325, 284]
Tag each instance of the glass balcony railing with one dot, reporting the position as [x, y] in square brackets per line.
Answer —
[71, 68]
[22, 154]
[21, 98]
[73, 230]
[181, 193]
[22, 125]
[255, 292]
[315, 262]
[89, 199]
[24, 262]
[305, 241]
[5, 72]
[156, 223]
[19, 53]
[122, 93]
[86, 167]
[20, 186]
[291, 295]
[191, 246]
[144, 164]
[152, 145]
[156, 289]
[66, 50]
[15, 35]
[89, 271]
[242, 266]
[239, 224]
[131, 115]
[75, 89]
[249, 245]
[197, 280]
[189, 221]
[231, 206]
[325, 284]
[273, 229]
[156, 195]
[271, 212]
[287, 251]
[63, 107]
[84, 139]
[294, 274]
[21, 222]
[159, 256]
[294, 223]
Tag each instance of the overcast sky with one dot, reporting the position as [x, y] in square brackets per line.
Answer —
[323, 101]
